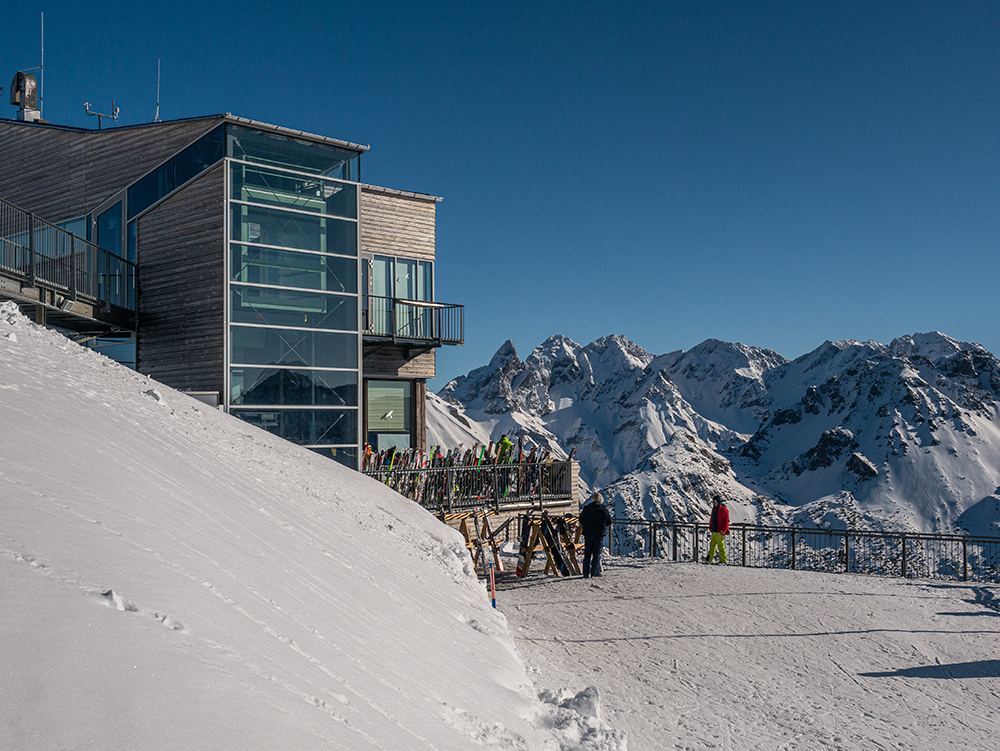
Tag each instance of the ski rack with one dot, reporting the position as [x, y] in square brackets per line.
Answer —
[559, 537]
[478, 538]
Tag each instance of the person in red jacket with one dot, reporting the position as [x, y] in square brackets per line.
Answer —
[720, 528]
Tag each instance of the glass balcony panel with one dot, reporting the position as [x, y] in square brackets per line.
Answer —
[284, 189]
[274, 227]
[252, 345]
[279, 387]
[306, 426]
[286, 268]
[279, 150]
[282, 307]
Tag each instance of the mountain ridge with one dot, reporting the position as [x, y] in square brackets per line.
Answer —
[903, 436]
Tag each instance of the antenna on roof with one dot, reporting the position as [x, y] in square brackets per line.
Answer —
[156, 117]
[41, 72]
[113, 115]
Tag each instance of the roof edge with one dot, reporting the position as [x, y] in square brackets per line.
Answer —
[401, 193]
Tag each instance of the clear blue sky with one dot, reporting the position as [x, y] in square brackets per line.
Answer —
[774, 173]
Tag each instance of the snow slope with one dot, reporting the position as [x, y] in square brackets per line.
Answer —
[172, 577]
[695, 657]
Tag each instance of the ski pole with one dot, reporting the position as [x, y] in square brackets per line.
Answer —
[493, 587]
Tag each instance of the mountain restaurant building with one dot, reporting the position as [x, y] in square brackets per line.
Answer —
[267, 277]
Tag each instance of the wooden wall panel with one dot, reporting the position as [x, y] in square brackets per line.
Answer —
[394, 361]
[398, 225]
[182, 286]
[63, 173]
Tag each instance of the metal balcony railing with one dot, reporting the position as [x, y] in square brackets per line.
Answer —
[39, 254]
[413, 320]
[493, 486]
[908, 555]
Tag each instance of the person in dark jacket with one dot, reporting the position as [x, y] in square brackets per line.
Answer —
[594, 521]
[720, 528]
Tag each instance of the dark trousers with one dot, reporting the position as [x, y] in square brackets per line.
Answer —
[592, 555]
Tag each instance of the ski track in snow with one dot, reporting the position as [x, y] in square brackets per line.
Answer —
[695, 657]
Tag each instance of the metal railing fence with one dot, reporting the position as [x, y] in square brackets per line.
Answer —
[493, 486]
[36, 252]
[903, 554]
[414, 319]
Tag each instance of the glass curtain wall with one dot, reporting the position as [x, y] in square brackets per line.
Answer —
[294, 311]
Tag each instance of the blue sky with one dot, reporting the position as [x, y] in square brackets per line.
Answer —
[774, 173]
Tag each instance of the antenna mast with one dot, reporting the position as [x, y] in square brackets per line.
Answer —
[41, 74]
[156, 117]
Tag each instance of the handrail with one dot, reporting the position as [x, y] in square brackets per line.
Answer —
[413, 320]
[494, 486]
[36, 252]
[904, 554]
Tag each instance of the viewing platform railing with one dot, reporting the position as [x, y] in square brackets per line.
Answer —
[413, 320]
[497, 487]
[902, 554]
[39, 254]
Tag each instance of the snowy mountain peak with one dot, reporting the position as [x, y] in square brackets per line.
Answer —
[910, 432]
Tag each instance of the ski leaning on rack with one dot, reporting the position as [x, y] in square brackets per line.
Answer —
[554, 549]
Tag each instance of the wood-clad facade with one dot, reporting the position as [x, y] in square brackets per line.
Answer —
[250, 265]
[181, 335]
[64, 173]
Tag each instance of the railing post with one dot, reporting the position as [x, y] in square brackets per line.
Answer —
[652, 540]
[902, 539]
[847, 552]
[695, 546]
[965, 560]
[449, 479]
[743, 541]
[793, 550]
[675, 542]
[31, 250]
[72, 267]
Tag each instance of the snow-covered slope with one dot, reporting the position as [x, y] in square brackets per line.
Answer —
[174, 578]
[905, 435]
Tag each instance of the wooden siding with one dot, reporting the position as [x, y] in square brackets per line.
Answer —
[181, 263]
[394, 361]
[60, 173]
[397, 225]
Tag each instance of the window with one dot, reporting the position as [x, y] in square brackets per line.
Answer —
[389, 414]
[279, 150]
[185, 166]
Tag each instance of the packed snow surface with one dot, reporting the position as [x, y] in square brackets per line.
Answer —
[173, 578]
[693, 657]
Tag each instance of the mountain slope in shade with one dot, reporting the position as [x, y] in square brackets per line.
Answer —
[901, 435]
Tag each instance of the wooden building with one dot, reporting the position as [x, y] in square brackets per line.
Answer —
[267, 273]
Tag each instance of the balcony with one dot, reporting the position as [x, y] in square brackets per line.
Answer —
[412, 322]
[64, 280]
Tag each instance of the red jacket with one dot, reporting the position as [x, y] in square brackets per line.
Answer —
[720, 519]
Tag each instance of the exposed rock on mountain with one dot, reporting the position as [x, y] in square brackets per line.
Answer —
[903, 435]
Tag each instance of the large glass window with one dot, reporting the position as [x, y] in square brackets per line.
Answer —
[257, 224]
[286, 268]
[280, 387]
[280, 150]
[281, 307]
[306, 426]
[287, 190]
[255, 345]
